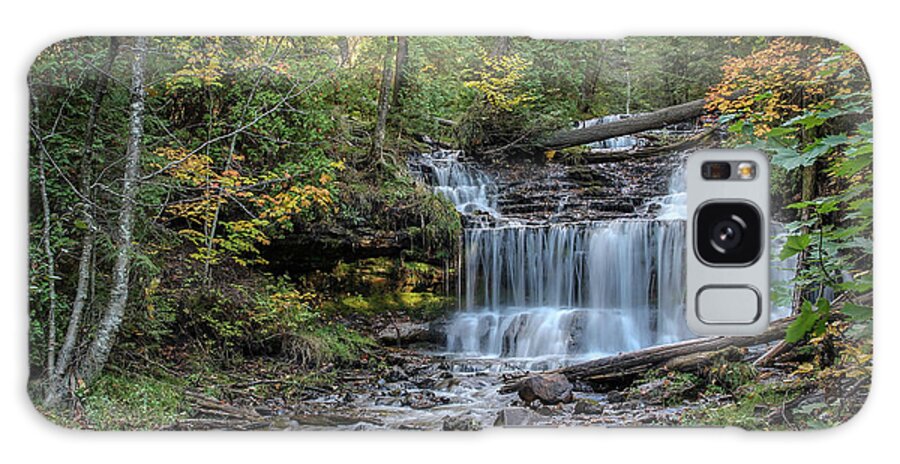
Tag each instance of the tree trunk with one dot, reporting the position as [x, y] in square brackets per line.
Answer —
[377, 151]
[51, 267]
[99, 350]
[56, 383]
[344, 47]
[502, 46]
[49, 259]
[639, 123]
[807, 193]
[399, 71]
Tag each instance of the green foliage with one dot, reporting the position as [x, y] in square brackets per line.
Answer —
[809, 106]
[751, 409]
[330, 343]
[810, 321]
[120, 401]
[857, 312]
[729, 376]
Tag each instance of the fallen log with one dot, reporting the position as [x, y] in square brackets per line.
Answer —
[699, 139]
[626, 367]
[695, 362]
[638, 123]
[769, 356]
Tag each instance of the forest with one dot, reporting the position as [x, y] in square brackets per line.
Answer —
[448, 233]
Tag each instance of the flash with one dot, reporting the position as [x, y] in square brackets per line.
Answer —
[746, 170]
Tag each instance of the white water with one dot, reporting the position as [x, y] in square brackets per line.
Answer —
[584, 289]
[567, 290]
[616, 143]
[471, 190]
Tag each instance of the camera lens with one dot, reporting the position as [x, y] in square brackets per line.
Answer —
[728, 233]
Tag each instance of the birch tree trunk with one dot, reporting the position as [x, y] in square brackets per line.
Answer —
[56, 382]
[111, 320]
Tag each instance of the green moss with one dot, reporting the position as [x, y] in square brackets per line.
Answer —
[424, 305]
[340, 345]
[730, 375]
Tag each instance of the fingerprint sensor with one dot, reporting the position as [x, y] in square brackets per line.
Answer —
[726, 304]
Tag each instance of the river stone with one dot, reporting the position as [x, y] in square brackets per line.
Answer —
[586, 406]
[548, 388]
[424, 399]
[515, 417]
[464, 423]
[615, 397]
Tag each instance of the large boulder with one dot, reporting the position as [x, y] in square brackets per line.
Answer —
[548, 388]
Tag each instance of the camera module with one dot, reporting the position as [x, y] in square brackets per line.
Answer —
[728, 233]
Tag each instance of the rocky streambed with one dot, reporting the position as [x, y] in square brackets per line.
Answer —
[421, 392]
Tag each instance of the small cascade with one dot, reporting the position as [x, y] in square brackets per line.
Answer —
[616, 143]
[672, 206]
[471, 190]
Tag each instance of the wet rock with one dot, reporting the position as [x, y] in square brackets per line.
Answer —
[615, 396]
[515, 417]
[462, 423]
[399, 333]
[396, 374]
[548, 388]
[586, 406]
[264, 411]
[447, 384]
[424, 399]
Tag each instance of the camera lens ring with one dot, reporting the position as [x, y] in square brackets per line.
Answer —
[728, 233]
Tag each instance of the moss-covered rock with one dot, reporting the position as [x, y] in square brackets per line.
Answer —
[416, 305]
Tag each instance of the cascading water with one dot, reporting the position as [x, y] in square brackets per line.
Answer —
[574, 290]
[592, 288]
[471, 190]
[615, 143]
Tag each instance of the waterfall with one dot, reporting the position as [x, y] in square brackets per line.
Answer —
[591, 288]
[576, 289]
[469, 189]
[615, 143]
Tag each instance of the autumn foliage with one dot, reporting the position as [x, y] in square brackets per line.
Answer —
[785, 78]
